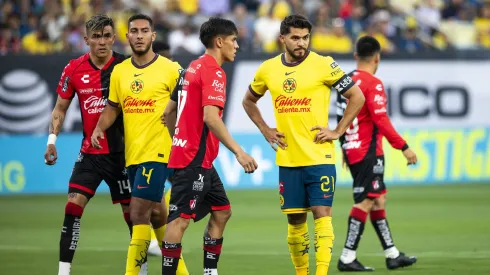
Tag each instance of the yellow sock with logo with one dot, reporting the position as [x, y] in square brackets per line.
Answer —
[299, 244]
[324, 238]
[138, 248]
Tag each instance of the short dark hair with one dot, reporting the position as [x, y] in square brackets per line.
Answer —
[216, 26]
[160, 46]
[142, 17]
[296, 21]
[99, 22]
[367, 46]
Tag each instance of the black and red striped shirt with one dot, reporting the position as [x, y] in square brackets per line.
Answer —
[91, 85]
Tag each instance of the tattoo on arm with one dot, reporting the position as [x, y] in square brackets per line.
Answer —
[57, 121]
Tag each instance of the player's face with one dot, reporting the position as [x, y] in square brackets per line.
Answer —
[296, 42]
[140, 36]
[100, 42]
[229, 46]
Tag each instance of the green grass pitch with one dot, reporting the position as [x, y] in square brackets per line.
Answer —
[447, 227]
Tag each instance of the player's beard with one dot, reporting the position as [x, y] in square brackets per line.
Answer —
[140, 52]
[294, 54]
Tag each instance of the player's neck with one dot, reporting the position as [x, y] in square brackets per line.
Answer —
[100, 62]
[142, 60]
[366, 68]
[215, 54]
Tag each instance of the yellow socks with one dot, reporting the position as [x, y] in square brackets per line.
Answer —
[138, 248]
[299, 244]
[324, 238]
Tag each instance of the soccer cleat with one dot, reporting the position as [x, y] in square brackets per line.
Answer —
[154, 249]
[400, 261]
[353, 267]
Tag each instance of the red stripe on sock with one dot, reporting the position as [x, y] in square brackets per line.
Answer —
[215, 249]
[220, 208]
[73, 209]
[358, 214]
[172, 253]
[378, 214]
[80, 187]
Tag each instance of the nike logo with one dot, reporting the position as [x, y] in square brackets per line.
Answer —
[290, 73]
[326, 196]
[141, 187]
[135, 75]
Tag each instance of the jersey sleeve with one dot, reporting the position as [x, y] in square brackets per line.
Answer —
[114, 91]
[335, 77]
[376, 103]
[213, 83]
[65, 87]
[174, 76]
[180, 80]
[258, 87]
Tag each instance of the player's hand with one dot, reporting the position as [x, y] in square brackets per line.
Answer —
[324, 135]
[96, 135]
[275, 138]
[247, 162]
[410, 156]
[51, 155]
[162, 118]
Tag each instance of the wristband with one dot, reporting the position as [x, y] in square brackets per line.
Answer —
[51, 139]
[405, 147]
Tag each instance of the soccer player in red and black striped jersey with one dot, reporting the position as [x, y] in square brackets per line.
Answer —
[88, 77]
[363, 154]
[194, 119]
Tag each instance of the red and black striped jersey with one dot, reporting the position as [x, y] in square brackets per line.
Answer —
[91, 85]
[365, 135]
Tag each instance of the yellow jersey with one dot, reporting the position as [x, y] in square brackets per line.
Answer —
[143, 92]
[301, 99]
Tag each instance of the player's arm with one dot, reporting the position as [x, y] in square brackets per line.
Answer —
[66, 92]
[376, 103]
[217, 127]
[354, 104]
[213, 101]
[109, 114]
[274, 137]
[169, 117]
[57, 118]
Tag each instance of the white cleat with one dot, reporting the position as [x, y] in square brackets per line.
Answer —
[154, 249]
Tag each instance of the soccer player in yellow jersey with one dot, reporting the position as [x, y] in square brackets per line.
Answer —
[140, 88]
[300, 82]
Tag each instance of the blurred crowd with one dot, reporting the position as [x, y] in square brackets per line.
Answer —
[55, 26]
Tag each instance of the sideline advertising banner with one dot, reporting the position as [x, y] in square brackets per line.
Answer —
[439, 106]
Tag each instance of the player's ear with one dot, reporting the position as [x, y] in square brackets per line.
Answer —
[219, 41]
[356, 57]
[153, 36]
[282, 38]
[86, 40]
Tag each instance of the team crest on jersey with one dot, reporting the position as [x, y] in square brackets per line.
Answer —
[137, 86]
[281, 200]
[289, 85]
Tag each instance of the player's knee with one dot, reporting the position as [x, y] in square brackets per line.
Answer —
[139, 215]
[158, 217]
[297, 218]
[179, 224]
[379, 203]
[222, 216]
[321, 211]
[78, 199]
[366, 205]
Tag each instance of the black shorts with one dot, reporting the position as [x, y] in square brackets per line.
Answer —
[196, 191]
[90, 170]
[368, 178]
